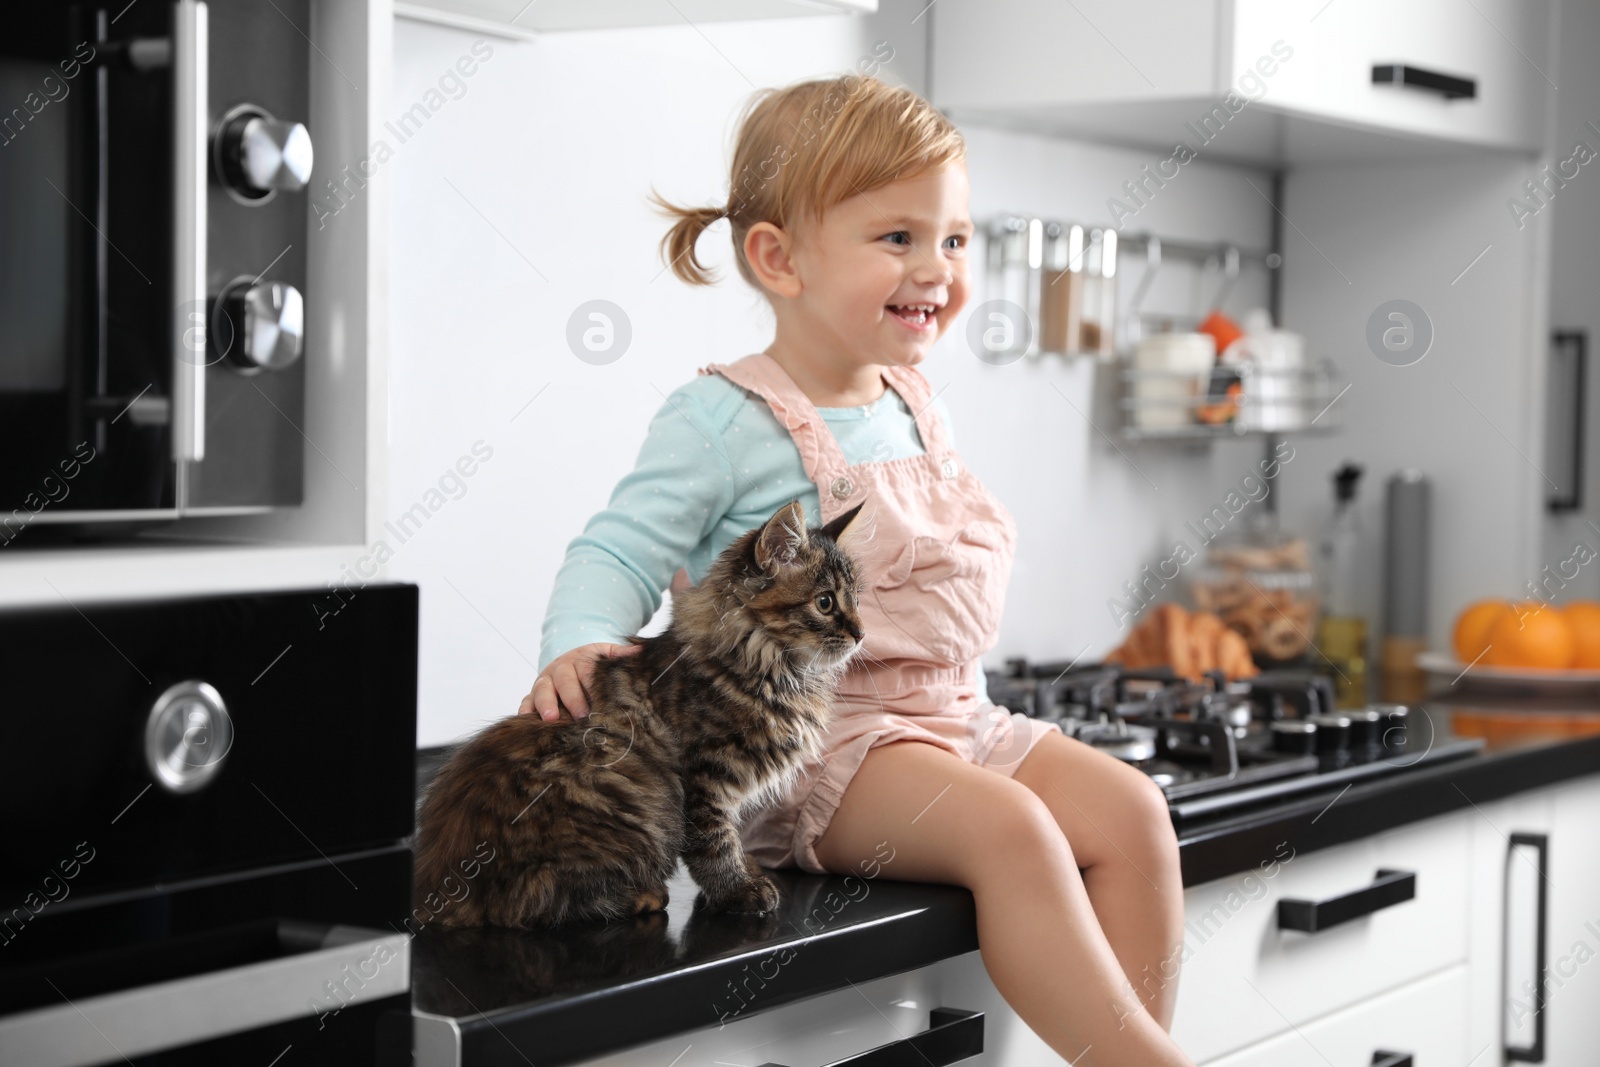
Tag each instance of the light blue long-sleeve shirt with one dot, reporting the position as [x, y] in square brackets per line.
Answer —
[715, 464]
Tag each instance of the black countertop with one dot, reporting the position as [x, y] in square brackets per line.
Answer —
[562, 998]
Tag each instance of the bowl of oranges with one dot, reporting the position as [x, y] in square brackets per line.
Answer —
[1523, 641]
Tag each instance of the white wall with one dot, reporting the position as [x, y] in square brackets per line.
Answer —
[551, 153]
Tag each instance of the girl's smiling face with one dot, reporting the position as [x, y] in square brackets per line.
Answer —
[877, 281]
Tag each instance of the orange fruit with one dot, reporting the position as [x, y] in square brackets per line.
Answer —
[1531, 635]
[1473, 625]
[1583, 616]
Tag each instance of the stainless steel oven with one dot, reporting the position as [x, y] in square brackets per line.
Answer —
[153, 164]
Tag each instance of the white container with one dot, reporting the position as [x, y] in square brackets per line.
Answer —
[1272, 364]
[1172, 372]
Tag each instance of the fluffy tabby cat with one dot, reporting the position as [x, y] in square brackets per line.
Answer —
[587, 818]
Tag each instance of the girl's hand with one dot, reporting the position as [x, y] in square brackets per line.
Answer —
[567, 678]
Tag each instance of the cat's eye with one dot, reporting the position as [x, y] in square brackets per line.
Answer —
[825, 603]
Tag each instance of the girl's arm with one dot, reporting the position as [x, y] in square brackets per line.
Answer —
[611, 581]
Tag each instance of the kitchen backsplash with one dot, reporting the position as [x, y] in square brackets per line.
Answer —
[525, 198]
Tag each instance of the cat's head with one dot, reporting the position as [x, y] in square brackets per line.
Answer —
[793, 593]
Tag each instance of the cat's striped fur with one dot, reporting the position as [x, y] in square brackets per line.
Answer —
[588, 817]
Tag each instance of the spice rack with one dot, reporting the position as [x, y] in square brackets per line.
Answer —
[1058, 283]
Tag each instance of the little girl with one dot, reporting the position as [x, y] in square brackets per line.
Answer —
[849, 212]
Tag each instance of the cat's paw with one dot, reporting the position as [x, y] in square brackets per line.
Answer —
[759, 894]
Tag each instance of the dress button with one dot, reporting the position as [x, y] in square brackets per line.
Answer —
[950, 469]
[842, 487]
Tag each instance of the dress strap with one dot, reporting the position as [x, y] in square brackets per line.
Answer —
[918, 395]
[761, 375]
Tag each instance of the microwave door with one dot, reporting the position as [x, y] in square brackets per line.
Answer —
[86, 271]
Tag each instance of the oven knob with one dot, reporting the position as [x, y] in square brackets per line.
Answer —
[264, 325]
[258, 154]
[1294, 737]
[187, 736]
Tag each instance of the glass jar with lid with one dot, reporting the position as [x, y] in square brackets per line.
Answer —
[1261, 583]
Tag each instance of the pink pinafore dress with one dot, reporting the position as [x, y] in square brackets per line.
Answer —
[934, 576]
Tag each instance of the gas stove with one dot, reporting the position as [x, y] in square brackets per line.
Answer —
[1216, 746]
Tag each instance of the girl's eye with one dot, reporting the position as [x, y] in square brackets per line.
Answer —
[960, 242]
[825, 603]
[898, 233]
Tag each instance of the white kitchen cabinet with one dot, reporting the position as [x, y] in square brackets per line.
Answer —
[1504, 923]
[1245, 979]
[1425, 1020]
[1500, 45]
[1258, 80]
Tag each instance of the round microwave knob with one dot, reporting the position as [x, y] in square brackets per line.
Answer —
[258, 154]
[267, 321]
[187, 736]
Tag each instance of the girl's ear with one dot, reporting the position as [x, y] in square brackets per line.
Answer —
[781, 538]
[845, 531]
[769, 251]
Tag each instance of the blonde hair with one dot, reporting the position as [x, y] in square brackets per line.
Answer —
[804, 148]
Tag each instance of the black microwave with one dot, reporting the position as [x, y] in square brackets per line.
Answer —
[154, 160]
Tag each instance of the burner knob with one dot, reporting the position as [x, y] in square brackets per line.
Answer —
[1366, 730]
[1333, 733]
[1294, 737]
[257, 154]
[1396, 721]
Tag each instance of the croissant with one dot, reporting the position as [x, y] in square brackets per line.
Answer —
[1191, 644]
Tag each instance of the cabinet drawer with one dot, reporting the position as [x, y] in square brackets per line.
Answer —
[1426, 1019]
[1244, 979]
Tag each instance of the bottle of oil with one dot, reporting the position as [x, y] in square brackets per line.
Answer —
[1342, 630]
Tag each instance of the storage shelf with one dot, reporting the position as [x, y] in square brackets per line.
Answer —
[1269, 403]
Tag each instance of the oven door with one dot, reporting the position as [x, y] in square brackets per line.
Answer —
[229, 970]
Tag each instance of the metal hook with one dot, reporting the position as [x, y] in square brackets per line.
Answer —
[1230, 275]
[1152, 263]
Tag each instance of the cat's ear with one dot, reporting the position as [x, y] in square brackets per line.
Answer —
[847, 530]
[782, 538]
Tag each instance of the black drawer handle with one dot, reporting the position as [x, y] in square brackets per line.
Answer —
[1533, 1053]
[1446, 85]
[952, 1035]
[1310, 916]
[1391, 1059]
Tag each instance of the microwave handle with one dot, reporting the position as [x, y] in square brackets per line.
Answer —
[190, 116]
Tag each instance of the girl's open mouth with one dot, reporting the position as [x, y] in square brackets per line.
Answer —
[916, 316]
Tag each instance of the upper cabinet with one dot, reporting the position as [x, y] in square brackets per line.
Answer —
[526, 17]
[1261, 81]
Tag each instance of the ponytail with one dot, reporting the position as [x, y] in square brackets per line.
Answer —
[678, 246]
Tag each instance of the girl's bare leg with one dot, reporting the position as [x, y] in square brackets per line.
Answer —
[1116, 821]
[950, 821]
